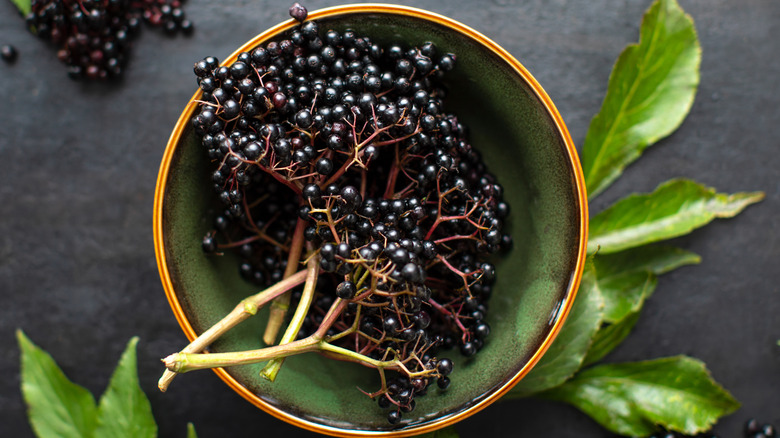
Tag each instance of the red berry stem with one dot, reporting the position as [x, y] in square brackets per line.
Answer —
[454, 317]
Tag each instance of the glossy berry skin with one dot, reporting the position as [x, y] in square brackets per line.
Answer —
[445, 367]
[482, 330]
[393, 417]
[346, 290]
[468, 349]
[324, 166]
[304, 119]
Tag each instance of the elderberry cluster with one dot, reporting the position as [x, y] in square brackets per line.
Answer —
[753, 429]
[93, 37]
[328, 140]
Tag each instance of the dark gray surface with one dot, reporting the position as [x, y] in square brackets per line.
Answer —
[78, 164]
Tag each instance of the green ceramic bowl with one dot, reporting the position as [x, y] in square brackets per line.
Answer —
[522, 139]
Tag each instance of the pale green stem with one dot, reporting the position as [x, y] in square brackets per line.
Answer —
[186, 362]
[272, 368]
[280, 305]
[246, 308]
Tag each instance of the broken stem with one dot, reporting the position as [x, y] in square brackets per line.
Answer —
[313, 270]
[281, 303]
[246, 308]
[186, 362]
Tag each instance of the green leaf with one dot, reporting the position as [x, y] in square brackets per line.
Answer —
[57, 407]
[124, 410]
[627, 279]
[675, 208]
[650, 91]
[565, 355]
[24, 6]
[611, 294]
[630, 399]
[658, 259]
[626, 293]
[191, 431]
[609, 337]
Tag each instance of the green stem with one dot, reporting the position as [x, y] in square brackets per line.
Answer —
[280, 304]
[313, 270]
[352, 356]
[246, 308]
[362, 274]
[186, 362]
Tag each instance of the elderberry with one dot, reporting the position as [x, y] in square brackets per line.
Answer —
[8, 53]
[752, 429]
[93, 38]
[327, 142]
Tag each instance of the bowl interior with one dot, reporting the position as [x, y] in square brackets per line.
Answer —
[523, 142]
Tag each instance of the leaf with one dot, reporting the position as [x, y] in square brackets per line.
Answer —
[57, 407]
[565, 355]
[675, 208]
[658, 259]
[124, 410]
[609, 337]
[628, 277]
[24, 6]
[650, 91]
[626, 293]
[630, 399]
[626, 280]
[191, 431]
[617, 284]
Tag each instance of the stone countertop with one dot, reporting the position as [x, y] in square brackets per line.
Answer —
[78, 164]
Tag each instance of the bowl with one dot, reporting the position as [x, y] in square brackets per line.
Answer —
[523, 140]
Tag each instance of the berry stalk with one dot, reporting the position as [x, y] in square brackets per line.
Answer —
[281, 304]
[246, 308]
[313, 271]
[185, 362]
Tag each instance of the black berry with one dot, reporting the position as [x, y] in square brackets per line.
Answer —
[8, 53]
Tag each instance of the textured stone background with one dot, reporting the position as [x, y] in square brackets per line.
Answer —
[78, 164]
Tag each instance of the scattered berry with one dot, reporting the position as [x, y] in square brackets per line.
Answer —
[752, 429]
[298, 12]
[94, 37]
[8, 53]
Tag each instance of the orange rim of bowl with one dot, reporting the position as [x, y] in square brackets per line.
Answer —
[579, 181]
